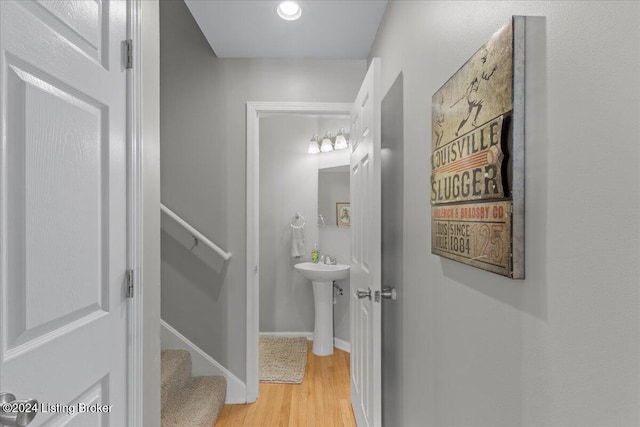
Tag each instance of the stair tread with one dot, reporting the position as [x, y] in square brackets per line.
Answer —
[197, 404]
[175, 372]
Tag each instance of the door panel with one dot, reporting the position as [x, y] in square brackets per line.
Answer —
[63, 251]
[58, 126]
[365, 265]
[84, 24]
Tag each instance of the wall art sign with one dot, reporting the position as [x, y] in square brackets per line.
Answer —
[477, 158]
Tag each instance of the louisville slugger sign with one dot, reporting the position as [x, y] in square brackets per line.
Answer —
[476, 234]
[477, 158]
[470, 167]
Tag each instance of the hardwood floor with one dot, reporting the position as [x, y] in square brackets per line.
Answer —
[322, 400]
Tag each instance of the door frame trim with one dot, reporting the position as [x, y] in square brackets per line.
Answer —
[135, 397]
[256, 110]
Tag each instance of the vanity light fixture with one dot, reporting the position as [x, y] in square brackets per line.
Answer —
[289, 10]
[341, 141]
[314, 147]
[326, 143]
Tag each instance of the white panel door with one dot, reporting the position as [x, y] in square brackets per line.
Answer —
[366, 252]
[63, 252]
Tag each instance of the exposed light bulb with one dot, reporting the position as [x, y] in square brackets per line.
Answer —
[314, 148]
[289, 10]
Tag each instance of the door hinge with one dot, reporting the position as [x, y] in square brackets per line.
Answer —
[128, 53]
[130, 282]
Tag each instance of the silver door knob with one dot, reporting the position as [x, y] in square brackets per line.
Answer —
[360, 294]
[389, 293]
[16, 413]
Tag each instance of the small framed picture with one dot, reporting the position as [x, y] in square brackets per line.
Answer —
[343, 214]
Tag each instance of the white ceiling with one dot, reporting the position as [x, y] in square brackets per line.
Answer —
[327, 29]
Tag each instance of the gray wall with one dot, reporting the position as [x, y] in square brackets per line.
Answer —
[150, 268]
[203, 155]
[560, 348]
[288, 184]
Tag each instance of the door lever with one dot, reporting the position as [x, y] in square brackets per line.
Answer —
[16, 413]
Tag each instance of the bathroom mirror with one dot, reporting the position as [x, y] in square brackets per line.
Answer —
[333, 196]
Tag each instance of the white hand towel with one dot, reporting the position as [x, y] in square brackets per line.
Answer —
[297, 241]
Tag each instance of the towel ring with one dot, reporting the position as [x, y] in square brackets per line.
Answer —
[297, 217]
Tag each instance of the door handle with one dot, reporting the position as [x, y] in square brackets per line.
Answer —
[389, 293]
[360, 294]
[16, 413]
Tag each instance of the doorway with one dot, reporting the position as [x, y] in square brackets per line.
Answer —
[256, 112]
[298, 196]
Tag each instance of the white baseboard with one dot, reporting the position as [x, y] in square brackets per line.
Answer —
[338, 343]
[342, 345]
[202, 364]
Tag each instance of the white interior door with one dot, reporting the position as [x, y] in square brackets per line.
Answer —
[366, 252]
[63, 252]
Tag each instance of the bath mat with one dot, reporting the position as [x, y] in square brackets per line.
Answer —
[282, 359]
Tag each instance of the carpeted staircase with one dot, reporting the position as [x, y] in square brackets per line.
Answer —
[189, 401]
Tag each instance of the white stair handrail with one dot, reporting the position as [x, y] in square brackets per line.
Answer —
[195, 233]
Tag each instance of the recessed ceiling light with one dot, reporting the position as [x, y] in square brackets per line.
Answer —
[289, 10]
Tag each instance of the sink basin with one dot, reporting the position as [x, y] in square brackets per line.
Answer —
[323, 272]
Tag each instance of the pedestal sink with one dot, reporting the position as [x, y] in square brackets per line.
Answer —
[322, 277]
